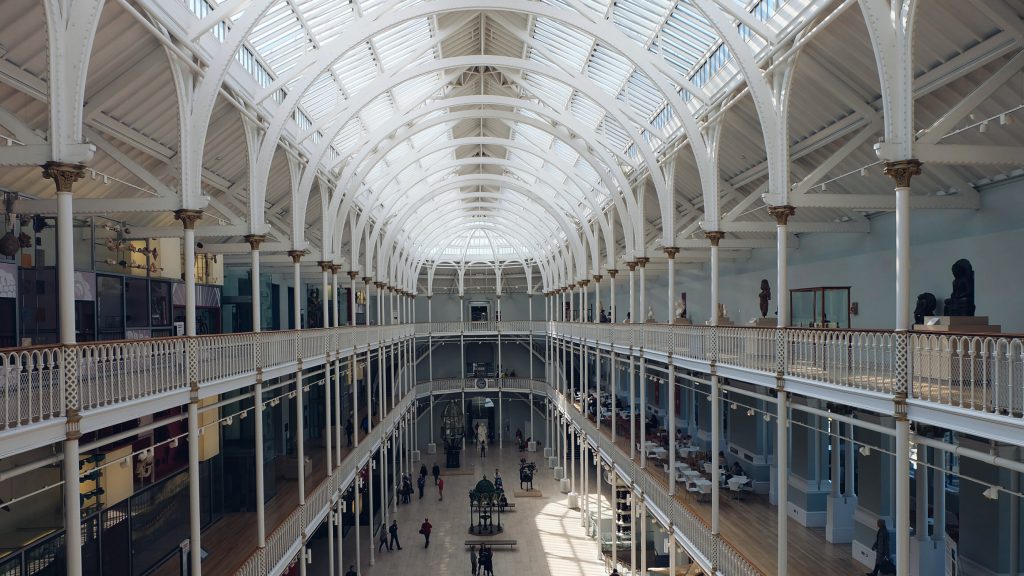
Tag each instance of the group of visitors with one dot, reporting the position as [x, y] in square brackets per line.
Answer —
[421, 482]
[482, 563]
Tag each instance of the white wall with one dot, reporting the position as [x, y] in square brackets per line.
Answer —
[990, 238]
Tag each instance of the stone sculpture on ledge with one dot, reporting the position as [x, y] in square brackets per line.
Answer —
[961, 301]
[926, 303]
[763, 297]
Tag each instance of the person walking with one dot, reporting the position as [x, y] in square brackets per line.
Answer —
[440, 489]
[348, 431]
[881, 548]
[423, 470]
[472, 560]
[393, 531]
[436, 471]
[383, 538]
[425, 529]
[421, 482]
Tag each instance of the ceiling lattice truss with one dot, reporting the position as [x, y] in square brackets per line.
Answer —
[567, 135]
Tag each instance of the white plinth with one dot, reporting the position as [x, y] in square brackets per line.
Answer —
[415, 455]
[574, 500]
[565, 486]
[839, 519]
[682, 322]
[547, 452]
[559, 473]
[431, 448]
[968, 324]
[553, 463]
[531, 446]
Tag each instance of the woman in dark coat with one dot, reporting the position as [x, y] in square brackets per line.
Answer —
[881, 548]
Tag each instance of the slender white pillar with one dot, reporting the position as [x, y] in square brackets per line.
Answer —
[716, 447]
[643, 535]
[330, 542]
[352, 275]
[325, 268]
[671, 425]
[632, 406]
[901, 172]
[643, 410]
[632, 291]
[369, 493]
[254, 241]
[597, 298]
[782, 484]
[670, 253]
[714, 236]
[613, 375]
[297, 429]
[188, 219]
[64, 176]
[612, 306]
[642, 261]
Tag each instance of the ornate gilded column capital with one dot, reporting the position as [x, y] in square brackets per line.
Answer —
[325, 265]
[335, 268]
[781, 213]
[368, 280]
[353, 274]
[714, 236]
[379, 285]
[296, 255]
[254, 240]
[642, 261]
[188, 217]
[583, 283]
[63, 175]
[671, 251]
[631, 265]
[902, 171]
[597, 278]
[612, 272]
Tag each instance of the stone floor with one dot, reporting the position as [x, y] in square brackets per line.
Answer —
[551, 540]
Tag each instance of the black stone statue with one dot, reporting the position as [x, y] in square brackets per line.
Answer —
[764, 296]
[961, 301]
[926, 303]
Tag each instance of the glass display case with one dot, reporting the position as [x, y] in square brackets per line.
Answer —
[820, 307]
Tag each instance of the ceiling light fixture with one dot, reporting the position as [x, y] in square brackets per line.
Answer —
[865, 450]
[992, 493]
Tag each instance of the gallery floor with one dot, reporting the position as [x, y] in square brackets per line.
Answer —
[550, 538]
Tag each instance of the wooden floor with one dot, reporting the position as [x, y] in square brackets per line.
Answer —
[749, 526]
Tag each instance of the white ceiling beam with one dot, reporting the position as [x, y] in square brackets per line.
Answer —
[970, 155]
[244, 248]
[100, 206]
[875, 202]
[1003, 15]
[941, 127]
[158, 186]
[797, 227]
[731, 243]
[39, 154]
[178, 232]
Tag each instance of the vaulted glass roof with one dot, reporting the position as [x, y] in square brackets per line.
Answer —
[478, 118]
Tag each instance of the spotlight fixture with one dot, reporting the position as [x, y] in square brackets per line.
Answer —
[733, 406]
[983, 127]
[865, 450]
[992, 493]
[1005, 119]
[174, 443]
[750, 412]
[864, 171]
[767, 417]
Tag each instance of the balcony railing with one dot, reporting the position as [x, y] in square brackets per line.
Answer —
[975, 372]
[41, 383]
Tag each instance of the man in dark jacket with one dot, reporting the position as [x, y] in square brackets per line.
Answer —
[393, 530]
[436, 471]
[881, 548]
[425, 529]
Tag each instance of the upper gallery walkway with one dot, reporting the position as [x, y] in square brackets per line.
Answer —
[109, 382]
[964, 381]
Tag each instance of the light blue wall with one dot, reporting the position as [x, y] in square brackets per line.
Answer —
[866, 262]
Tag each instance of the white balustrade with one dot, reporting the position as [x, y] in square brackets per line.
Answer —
[852, 358]
[30, 386]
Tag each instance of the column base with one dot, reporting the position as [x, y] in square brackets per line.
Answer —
[531, 446]
[839, 521]
[547, 451]
[565, 486]
[431, 448]
[415, 455]
[574, 498]
[559, 473]
[928, 557]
